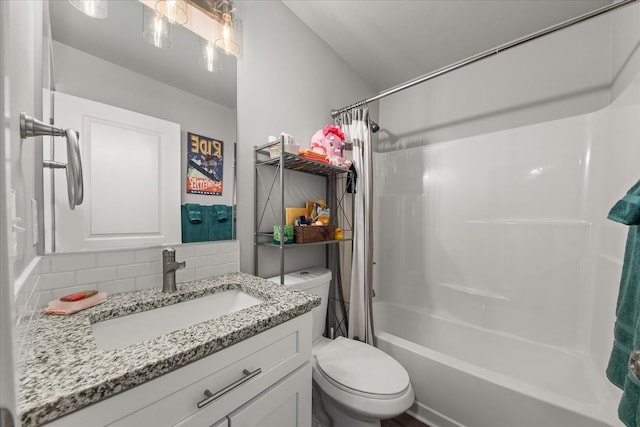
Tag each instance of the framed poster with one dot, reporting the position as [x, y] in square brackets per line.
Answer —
[204, 165]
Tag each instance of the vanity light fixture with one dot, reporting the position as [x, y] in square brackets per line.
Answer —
[213, 20]
[174, 10]
[228, 41]
[155, 28]
[93, 8]
[209, 58]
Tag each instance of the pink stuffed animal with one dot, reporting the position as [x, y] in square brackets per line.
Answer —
[329, 141]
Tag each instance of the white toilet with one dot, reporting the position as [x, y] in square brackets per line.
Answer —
[355, 384]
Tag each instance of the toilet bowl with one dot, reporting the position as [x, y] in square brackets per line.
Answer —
[358, 384]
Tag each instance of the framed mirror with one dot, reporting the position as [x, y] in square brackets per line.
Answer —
[110, 63]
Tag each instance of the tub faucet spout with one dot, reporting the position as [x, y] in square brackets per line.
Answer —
[169, 267]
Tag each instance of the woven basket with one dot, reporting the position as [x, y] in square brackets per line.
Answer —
[314, 233]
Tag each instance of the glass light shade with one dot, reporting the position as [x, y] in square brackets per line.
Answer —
[230, 38]
[156, 28]
[93, 8]
[209, 58]
[174, 10]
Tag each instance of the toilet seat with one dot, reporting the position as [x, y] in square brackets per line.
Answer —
[346, 394]
[361, 369]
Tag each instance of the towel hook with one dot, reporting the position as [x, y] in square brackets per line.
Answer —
[30, 127]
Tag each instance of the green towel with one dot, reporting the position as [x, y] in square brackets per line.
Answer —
[627, 210]
[194, 226]
[219, 227]
[195, 213]
[221, 212]
[627, 327]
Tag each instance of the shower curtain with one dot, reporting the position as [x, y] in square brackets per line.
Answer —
[355, 125]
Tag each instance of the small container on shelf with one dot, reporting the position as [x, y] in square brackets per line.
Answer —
[290, 146]
[274, 150]
[288, 234]
[314, 233]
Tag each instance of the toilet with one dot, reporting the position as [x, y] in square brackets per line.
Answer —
[354, 384]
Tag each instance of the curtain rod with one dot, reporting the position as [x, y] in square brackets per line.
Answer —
[486, 54]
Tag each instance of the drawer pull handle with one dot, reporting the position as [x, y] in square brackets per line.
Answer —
[218, 394]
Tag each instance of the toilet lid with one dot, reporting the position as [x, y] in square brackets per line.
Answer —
[362, 367]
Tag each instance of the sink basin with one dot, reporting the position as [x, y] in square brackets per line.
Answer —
[134, 328]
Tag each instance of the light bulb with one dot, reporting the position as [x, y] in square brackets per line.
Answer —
[226, 35]
[209, 57]
[155, 28]
[229, 38]
[158, 29]
[174, 10]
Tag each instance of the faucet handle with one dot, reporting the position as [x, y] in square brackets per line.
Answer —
[169, 253]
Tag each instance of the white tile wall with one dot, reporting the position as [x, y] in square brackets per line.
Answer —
[27, 302]
[495, 230]
[113, 271]
[133, 269]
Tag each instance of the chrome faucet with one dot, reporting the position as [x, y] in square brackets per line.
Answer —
[169, 267]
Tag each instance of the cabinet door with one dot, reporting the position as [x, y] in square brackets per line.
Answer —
[286, 404]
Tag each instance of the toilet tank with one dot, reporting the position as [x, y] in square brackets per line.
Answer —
[315, 280]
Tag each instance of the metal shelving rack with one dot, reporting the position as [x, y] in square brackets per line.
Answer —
[301, 164]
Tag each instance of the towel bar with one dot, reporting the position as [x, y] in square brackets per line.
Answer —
[30, 127]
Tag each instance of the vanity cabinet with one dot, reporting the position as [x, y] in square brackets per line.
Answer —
[336, 183]
[262, 380]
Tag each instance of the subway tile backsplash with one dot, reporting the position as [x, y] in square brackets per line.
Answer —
[112, 271]
[128, 270]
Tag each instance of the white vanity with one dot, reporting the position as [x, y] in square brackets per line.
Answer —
[246, 368]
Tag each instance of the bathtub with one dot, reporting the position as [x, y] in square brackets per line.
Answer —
[468, 376]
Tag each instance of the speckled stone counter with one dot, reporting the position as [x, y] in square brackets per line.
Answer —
[64, 371]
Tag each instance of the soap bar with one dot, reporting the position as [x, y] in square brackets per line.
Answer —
[77, 296]
[57, 306]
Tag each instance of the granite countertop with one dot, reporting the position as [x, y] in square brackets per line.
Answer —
[63, 370]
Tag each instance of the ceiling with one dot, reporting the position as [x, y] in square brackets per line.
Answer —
[389, 42]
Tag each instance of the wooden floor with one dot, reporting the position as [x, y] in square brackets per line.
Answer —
[402, 420]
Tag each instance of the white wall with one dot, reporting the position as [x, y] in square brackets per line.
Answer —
[23, 62]
[80, 74]
[552, 77]
[625, 47]
[289, 80]
[22, 81]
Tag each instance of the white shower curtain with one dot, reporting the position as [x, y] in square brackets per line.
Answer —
[355, 125]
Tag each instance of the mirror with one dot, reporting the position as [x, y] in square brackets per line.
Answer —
[108, 61]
